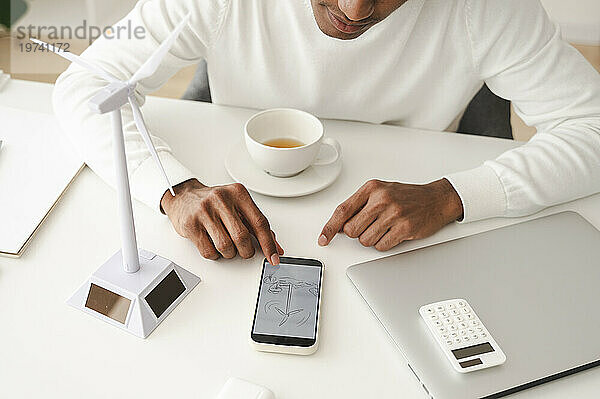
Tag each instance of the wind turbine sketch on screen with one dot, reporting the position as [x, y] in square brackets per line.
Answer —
[156, 289]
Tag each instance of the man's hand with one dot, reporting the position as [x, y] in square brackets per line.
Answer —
[220, 220]
[383, 214]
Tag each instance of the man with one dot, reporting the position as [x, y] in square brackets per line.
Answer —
[415, 63]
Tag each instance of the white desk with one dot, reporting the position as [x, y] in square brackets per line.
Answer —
[47, 347]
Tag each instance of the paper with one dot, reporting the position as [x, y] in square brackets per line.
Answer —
[37, 164]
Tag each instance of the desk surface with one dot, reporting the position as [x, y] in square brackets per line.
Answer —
[48, 347]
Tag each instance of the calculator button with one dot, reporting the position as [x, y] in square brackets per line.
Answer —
[454, 323]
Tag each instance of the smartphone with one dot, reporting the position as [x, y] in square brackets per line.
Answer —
[286, 316]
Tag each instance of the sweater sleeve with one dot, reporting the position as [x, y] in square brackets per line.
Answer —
[140, 34]
[520, 55]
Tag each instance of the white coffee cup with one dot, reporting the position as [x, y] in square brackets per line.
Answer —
[288, 123]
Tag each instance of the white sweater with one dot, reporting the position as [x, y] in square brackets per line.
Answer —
[418, 68]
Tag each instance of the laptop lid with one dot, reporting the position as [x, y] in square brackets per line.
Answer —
[534, 285]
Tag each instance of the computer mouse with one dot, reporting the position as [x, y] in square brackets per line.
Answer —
[236, 388]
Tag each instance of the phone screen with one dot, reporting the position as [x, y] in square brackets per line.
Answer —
[288, 300]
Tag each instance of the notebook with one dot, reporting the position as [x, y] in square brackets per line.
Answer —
[37, 164]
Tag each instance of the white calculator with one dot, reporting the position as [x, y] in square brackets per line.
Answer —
[461, 335]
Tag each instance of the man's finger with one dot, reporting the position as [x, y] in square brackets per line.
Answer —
[238, 232]
[279, 249]
[205, 245]
[220, 238]
[259, 226]
[374, 233]
[342, 213]
[393, 237]
[358, 223]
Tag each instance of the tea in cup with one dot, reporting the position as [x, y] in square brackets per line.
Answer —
[284, 141]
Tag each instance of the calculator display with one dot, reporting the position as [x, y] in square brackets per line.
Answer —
[472, 350]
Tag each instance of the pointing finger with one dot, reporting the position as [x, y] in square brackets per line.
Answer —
[259, 225]
[279, 249]
[342, 214]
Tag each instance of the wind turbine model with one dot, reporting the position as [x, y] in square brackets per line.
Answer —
[140, 297]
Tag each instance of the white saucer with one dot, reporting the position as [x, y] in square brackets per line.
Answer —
[243, 170]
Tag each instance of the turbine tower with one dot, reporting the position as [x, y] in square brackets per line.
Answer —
[135, 289]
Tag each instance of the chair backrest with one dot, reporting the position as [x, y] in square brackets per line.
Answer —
[199, 88]
[487, 115]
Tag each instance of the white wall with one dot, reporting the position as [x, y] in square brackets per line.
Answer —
[107, 12]
[73, 12]
[579, 19]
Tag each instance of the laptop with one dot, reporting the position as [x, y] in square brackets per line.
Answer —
[532, 285]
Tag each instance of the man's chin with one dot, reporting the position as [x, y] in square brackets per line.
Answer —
[336, 34]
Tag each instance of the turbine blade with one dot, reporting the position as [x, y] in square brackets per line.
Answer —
[281, 312]
[141, 126]
[76, 60]
[151, 65]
